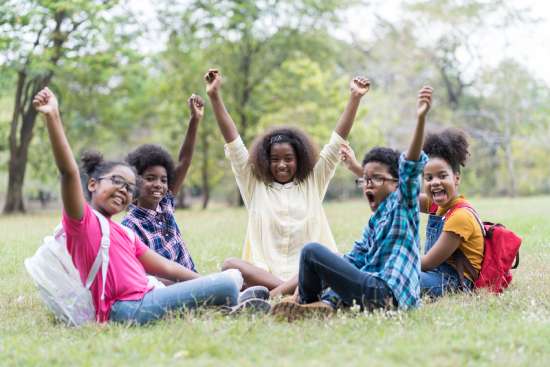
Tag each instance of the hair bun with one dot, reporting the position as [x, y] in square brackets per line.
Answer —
[90, 160]
[450, 145]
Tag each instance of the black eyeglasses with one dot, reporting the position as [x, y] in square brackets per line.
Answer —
[374, 181]
[120, 182]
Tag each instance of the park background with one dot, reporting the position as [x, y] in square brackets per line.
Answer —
[123, 71]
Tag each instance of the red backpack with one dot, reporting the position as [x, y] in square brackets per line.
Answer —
[500, 254]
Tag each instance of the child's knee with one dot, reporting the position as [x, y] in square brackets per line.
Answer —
[311, 249]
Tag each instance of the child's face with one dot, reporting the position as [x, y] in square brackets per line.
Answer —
[152, 186]
[113, 191]
[440, 182]
[379, 183]
[282, 162]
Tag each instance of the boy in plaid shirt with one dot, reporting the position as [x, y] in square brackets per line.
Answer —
[152, 216]
[382, 269]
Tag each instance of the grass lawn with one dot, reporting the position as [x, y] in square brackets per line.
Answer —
[482, 329]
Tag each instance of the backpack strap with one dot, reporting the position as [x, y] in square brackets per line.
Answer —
[462, 262]
[433, 209]
[102, 258]
[471, 210]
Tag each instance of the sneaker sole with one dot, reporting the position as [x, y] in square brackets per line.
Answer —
[258, 291]
[253, 305]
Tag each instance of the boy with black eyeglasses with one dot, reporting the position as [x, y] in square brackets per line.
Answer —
[382, 269]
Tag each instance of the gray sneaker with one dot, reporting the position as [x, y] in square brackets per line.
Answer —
[257, 291]
[252, 305]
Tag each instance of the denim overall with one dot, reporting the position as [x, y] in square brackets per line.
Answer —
[444, 277]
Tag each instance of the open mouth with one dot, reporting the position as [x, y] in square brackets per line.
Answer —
[371, 199]
[439, 195]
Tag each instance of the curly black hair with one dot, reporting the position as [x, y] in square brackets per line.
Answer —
[149, 155]
[93, 165]
[306, 152]
[451, 145]
[386, 156]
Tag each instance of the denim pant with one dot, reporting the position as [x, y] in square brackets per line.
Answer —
[443, 278]
[215, 289]
[321, 268]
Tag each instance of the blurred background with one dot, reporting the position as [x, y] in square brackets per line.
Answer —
[123, 71]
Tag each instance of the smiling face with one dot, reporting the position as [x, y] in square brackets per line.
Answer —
[282, 162]
[109, 198]
[152, 186]
[374, 193]
[440, 182]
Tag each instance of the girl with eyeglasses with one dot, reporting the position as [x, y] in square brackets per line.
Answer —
[282, 182]
[110, 187]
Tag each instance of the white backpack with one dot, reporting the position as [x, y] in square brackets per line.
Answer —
[58, 281]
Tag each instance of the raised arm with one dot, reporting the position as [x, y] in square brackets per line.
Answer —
[226, 124]
[423, 106]
[359, 86]
[45, 102]
[196, 106]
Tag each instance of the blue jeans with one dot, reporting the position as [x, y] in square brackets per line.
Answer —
[215, 289]
[443, 278]
[320, 268]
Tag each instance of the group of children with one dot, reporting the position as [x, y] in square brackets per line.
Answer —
[289, 248]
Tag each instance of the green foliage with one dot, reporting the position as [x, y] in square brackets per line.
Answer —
[282, 65]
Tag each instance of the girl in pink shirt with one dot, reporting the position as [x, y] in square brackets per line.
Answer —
[110, 188]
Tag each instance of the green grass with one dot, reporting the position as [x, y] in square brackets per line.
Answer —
[512, 329]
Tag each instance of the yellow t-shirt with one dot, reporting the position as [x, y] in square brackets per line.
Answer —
[463, 223]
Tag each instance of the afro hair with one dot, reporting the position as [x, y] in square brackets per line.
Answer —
[150, 155]
[451, 145]
[387, 156]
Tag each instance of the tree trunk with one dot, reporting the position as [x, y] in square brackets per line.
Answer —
[20, 141]
[24, 111]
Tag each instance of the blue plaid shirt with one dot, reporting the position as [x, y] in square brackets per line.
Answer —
[158, 230]
[389, 248]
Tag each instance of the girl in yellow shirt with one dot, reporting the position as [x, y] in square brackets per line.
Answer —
[451, 230]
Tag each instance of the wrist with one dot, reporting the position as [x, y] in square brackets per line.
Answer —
[52, 115]
[213, 94]
[355, 97]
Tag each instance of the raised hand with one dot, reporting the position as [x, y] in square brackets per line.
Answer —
[359, 86]
[347, 157]
[45, 102]
[424, 102]
[196, 106]
[213, 80]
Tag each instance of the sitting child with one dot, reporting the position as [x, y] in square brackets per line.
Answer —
[282, 182]
[382, 269]
[110, 186]
[152, 216]
[453, 252]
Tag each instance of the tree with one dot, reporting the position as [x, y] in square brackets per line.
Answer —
[38, 37]
[248, 40]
